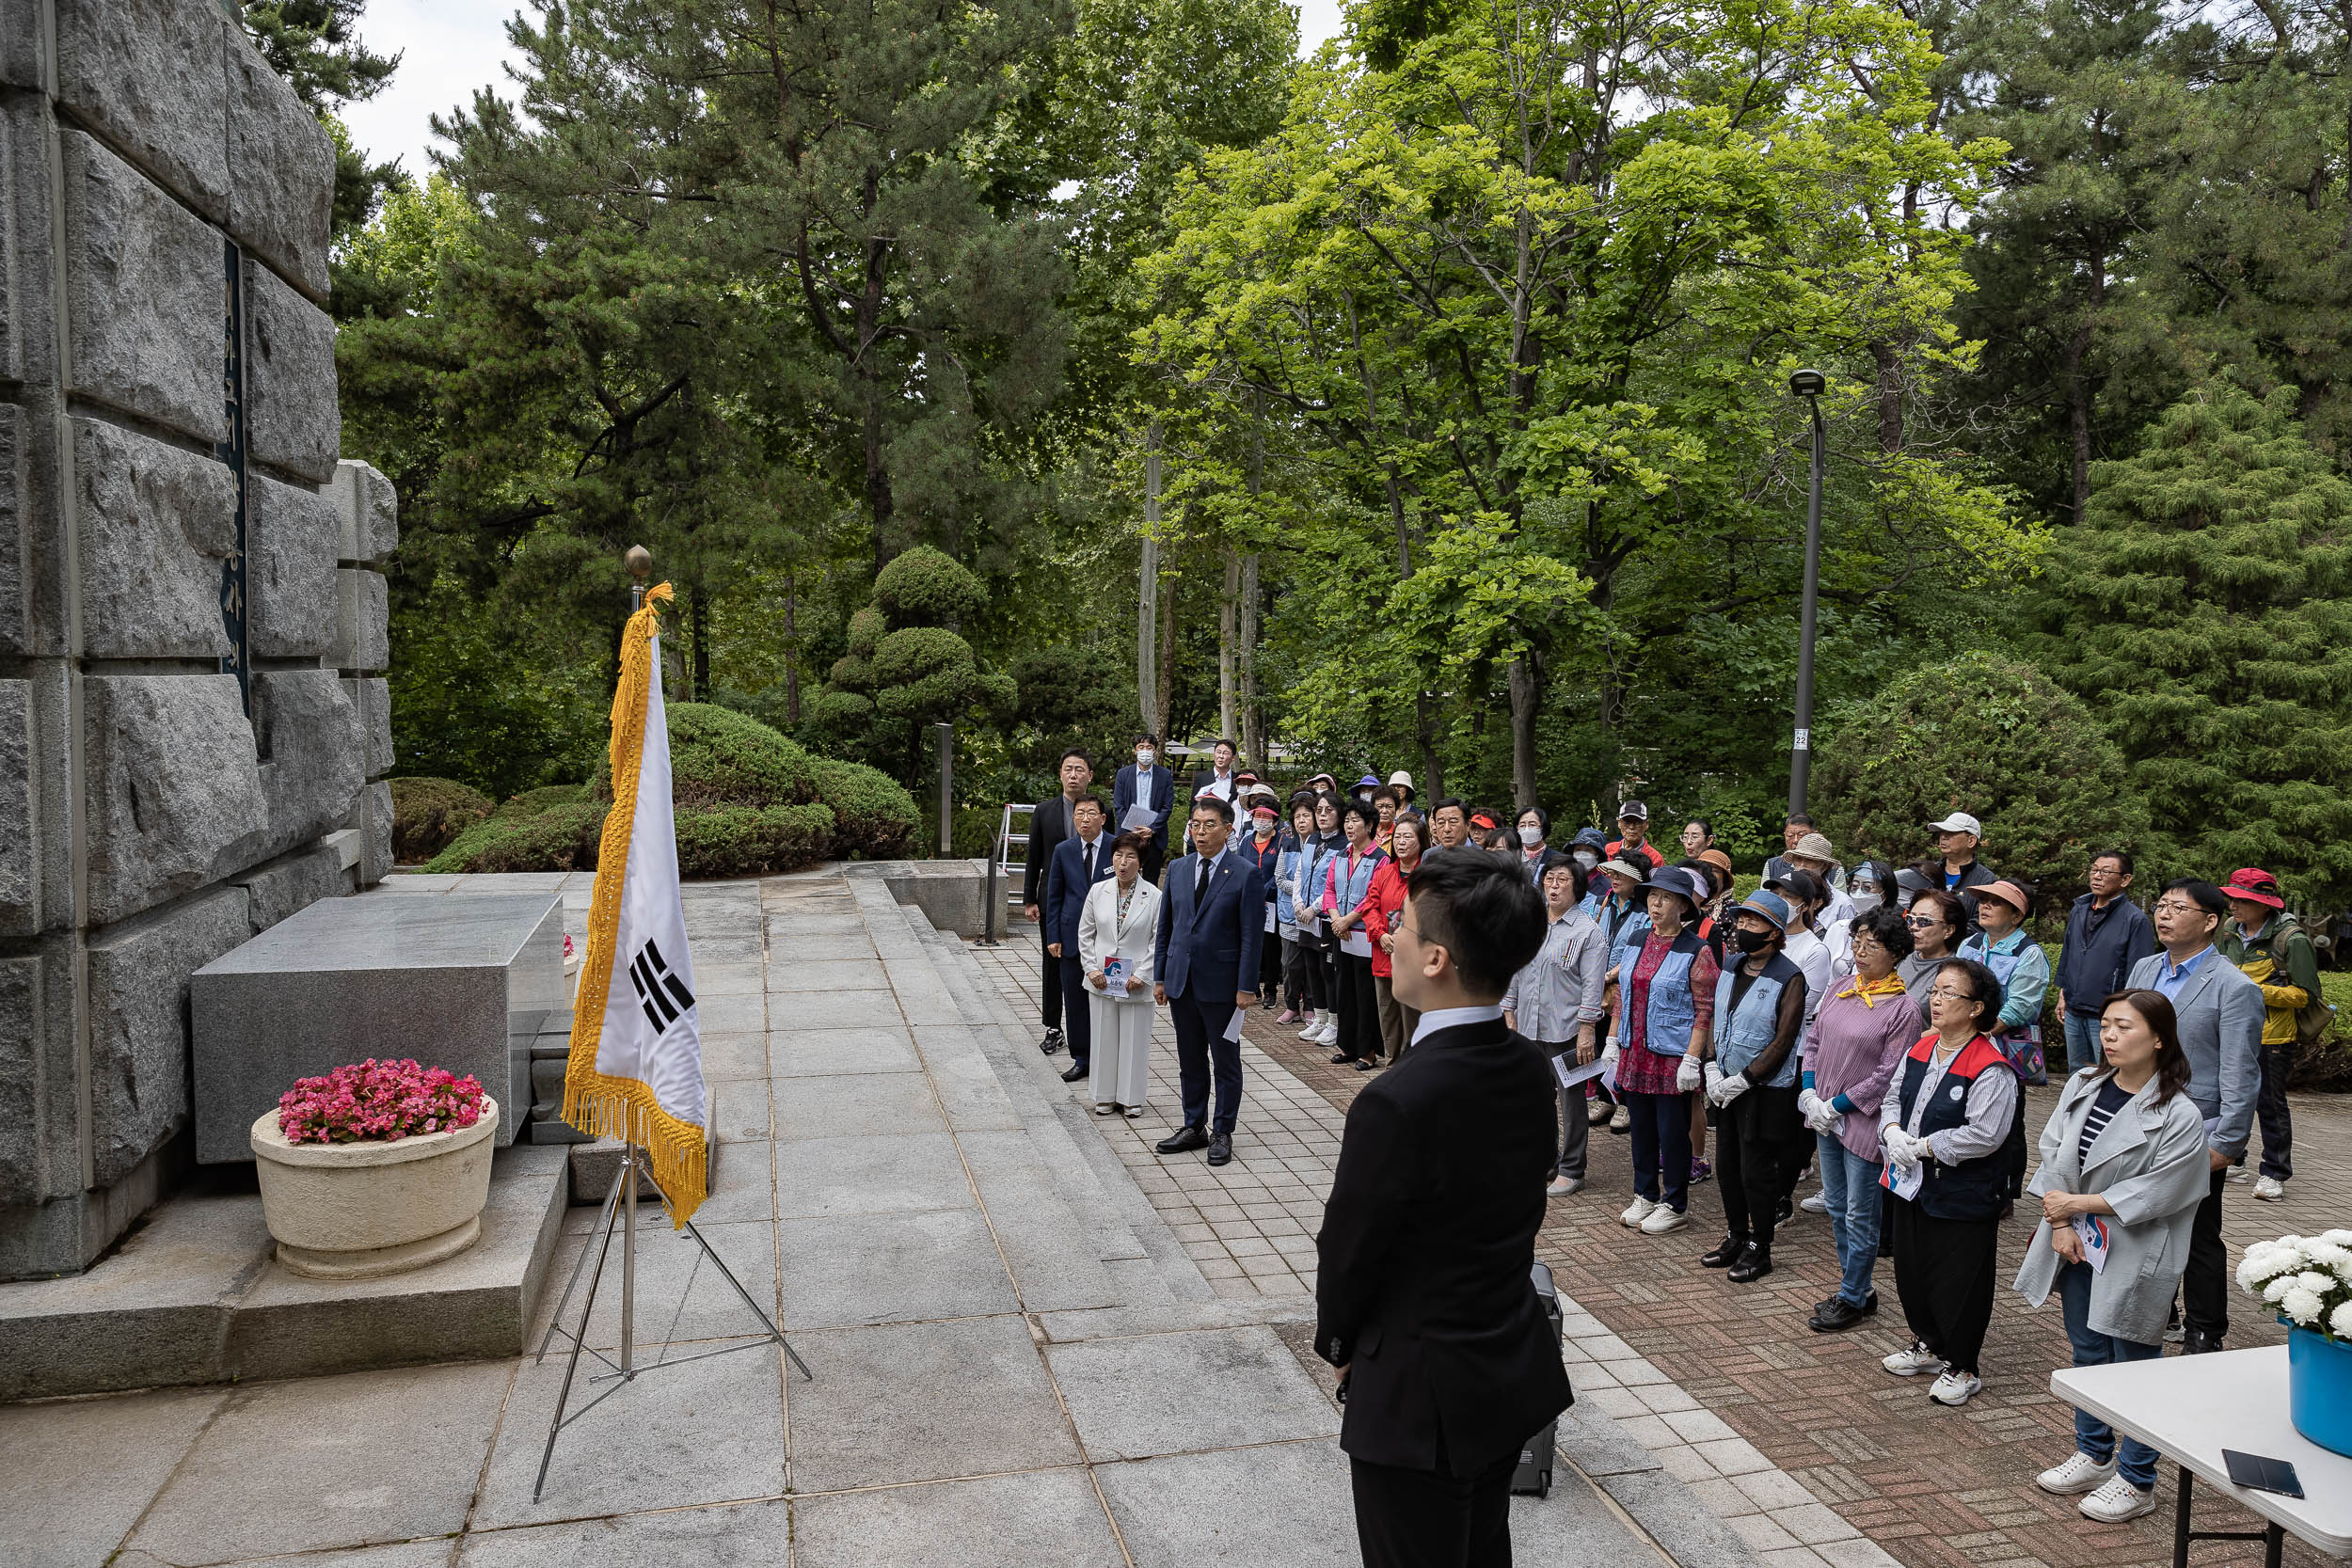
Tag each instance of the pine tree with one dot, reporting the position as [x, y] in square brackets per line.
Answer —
[2204, 613]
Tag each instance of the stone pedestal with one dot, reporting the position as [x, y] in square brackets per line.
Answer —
[463, 981]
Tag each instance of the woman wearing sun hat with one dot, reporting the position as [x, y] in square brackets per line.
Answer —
[2269, 949]
[1665, 1010]
[2003, 945]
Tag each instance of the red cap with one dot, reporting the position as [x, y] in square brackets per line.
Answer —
[2256, 885]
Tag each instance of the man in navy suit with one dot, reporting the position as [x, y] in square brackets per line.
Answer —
[1146, 782]
[1206, 957]
[1079, 861]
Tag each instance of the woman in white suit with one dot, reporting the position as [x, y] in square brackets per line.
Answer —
[1117, 928]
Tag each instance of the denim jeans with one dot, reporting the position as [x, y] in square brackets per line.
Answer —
[1850, 1185]
[2082, 1041]
[2137, 1462]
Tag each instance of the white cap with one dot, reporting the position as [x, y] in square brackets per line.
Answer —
[1401, 777]
[1959, 822]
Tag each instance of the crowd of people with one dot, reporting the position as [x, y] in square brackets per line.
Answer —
[1871, 1024]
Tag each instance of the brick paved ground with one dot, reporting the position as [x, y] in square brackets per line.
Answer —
[1937, 1488]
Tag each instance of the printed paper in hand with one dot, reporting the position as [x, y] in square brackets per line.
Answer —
[1269, 919]
[1115, 973]
[1903, 1180]
[2091, 1231]
[1233, 1030]
[1138, 815]
[1356, 943]
[1564, 1068]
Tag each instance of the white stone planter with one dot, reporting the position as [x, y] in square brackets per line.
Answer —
[362, 1209]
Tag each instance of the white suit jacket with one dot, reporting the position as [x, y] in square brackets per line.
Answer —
[1099, 933]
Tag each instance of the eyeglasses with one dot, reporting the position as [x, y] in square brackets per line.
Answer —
[2177, 906]
[1950, 995]
[1917, 921]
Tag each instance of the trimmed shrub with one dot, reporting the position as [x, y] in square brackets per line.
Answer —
[562, 838]
[742, 841]
[720, 757]
[428, 815]
[925, 587]
[530, 802]
[866, 627]
[873, 815]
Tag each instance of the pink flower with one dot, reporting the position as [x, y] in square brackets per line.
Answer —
[380, 1100]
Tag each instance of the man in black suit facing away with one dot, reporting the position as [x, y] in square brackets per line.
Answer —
[1048, 826]
[1206, 964]
[1424, 1301]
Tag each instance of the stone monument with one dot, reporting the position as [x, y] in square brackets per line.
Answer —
[192, 713]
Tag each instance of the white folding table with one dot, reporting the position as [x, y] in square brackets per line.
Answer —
[2188, 1408]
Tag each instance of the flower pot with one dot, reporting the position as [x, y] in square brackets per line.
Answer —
[358, 1211]
[2319, 1389]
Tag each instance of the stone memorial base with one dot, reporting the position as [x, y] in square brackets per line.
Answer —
[463, 981]
[194, 1295]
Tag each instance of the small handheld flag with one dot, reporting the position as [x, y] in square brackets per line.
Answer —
[636, 1070]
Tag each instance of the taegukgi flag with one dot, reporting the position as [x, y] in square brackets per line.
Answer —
[636, 1068]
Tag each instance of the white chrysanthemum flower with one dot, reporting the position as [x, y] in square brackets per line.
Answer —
[2336, 1238]
[2301, 1306]
[2278, 1288]
[2340, 1321]
[2315, 1281]
[2329, 1254]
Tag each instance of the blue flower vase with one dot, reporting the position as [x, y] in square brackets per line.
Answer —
[2319, 1389]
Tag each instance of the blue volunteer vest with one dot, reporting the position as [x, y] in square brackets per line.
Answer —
[1742, 1033]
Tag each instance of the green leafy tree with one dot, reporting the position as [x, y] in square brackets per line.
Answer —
[907, 665]
[1989, 736]
[2204, 613]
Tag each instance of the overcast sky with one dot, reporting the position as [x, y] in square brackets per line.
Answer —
[450, 47]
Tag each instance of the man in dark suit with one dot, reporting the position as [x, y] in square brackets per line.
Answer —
[1422, 1296]
[1145, 783]
[1079, 861]
[1206, 960]
[1048, 826]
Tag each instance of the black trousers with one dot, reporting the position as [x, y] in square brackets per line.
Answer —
[1049, 982]
[1359, 1009]
[1943, 1270]
[1079, 1029]
[1270, 965]
[1428, 1519]
[2205, 1284]
[1154, 857]
[1205, 1055]
[1757, 1156]
[2270, 1109]
[1298, 976]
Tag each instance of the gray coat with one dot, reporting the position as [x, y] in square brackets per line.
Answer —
[2221, 1030]
[2149, 1163]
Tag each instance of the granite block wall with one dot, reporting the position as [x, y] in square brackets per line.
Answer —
[194, 726]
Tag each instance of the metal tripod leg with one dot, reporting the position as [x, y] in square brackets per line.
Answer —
[580, 1340]
[765, 1321]
[604, 1222]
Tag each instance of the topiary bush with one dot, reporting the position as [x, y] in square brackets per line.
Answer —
[873, 815]
[530, 802]
[719, 756]
[562, 838]
[745, 840]
[925, 587]
[428, 815]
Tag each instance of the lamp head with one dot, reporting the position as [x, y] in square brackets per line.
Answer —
[640, 562]
[1808, 384]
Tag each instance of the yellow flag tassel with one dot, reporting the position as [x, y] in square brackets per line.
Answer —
[596, 1103]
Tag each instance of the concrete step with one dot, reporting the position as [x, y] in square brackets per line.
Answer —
[1100, 1181]
[1055, 1253]
[195, 1294]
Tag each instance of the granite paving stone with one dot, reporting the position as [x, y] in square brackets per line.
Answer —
[790, 976]
[75, 1475]
[890, 1268]
[878, 1174]
[794, 1051]
[856, 1105]
[680, 1295]
[841, 1010]
[924, 1401]
[737, 1535]
[1173, 1393]
[1014, 1521]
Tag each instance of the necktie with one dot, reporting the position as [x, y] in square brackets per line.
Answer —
[1086, 853]
[1200, 885]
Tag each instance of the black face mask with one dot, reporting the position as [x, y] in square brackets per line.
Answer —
[1752, 941]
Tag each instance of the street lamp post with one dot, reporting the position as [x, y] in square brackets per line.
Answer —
[1808, 385]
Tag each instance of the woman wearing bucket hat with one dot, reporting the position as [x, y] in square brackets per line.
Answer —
[1665, 1010]
[1751, 1078]
[2269, 949]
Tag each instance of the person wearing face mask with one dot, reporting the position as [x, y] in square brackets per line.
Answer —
[1326, 844]
[1532, 828]
[1302, 989]
[1389, 884]
[1867, 892]
[1590, 849]
[1145, 783]
[1356, 922]
[1751, 1076]
[1264, 846]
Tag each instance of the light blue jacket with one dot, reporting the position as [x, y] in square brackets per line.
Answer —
[1743, 1035]
[2023, 970]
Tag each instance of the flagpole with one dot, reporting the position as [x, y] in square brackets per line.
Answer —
[640, 567]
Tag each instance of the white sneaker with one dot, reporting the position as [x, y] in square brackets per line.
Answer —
[1663, 1219]
[1956, 1389]
[1321, 1030]
[1817, 1204]
[2116, 1501]
[1911, 1362]
[2270, 1188]
[1621, 1119]
[1638, 1211]
[1309, 1024]
[2080, 1473]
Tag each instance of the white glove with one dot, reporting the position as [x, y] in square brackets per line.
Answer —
[1687, 1075]
[1825, 1118]
[1734, 1085]
[1714, 1077]
[1608, 1054]
[1904, 1148]
[1808, 1105]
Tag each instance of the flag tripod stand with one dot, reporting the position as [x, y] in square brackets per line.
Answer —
[620, 1211]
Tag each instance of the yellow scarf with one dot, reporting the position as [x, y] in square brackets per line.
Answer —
[1867, 989]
